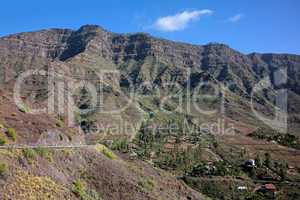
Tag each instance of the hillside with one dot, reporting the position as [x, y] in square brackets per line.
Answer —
[176, 107]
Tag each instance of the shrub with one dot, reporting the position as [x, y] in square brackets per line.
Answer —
[24, 109]
[105, 151]
[258, 160]
[109, 154]
[147, 184]
[268, 160]
[44, 153]
[29, 154]
[3, 140]
[41, 151]
[3, 169]
[79, 188]
[120, 145]
[59, 123]
[61, 137]
[12, 134]
[77, 117]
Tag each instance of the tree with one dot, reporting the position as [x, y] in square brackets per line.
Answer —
[198, 152]
[282, 171]
[252, 173]
[258, 160]
[177, 139]
[268, 160]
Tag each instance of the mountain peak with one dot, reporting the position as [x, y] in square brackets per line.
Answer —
[90, 27]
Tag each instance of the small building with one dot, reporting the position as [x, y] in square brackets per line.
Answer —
[249, 163]
[242, 188]
[133, 155]
[268, 188]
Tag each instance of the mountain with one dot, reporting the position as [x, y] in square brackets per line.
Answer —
[101, 87]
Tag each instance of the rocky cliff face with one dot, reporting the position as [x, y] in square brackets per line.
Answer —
[148, 65]
[219, 60]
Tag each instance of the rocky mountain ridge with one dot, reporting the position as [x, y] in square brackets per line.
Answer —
[146, 63]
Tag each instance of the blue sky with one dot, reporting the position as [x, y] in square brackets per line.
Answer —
[246, 25]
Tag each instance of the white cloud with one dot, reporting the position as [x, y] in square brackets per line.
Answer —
[179, 21]
[236, 18]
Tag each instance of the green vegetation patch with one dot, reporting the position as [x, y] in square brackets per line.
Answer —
[120, 145]
[219, 188]
[147, 183]
[79, 188]
[3, 169]
[288, 140]
[44, 153]
[3, 140]
[29, 154]
[105, 151]
[11, 133]
[26, 186]
[59, 123]
[24, 109]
